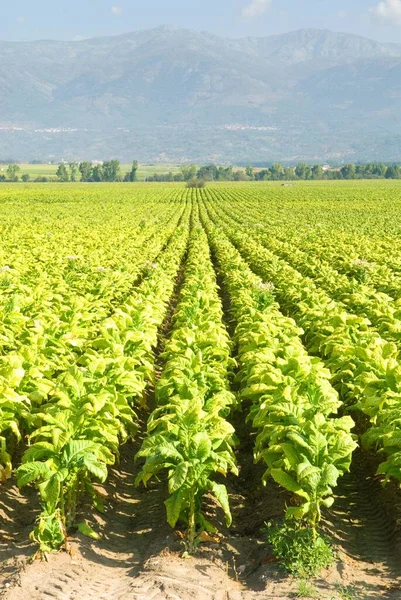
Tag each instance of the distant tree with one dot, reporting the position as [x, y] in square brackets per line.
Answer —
[317, 172]
[97, 173]
[289, 173]
[188, 172]
[196, 183]
[250, 172]
[208, 173]
[62, 173]
[380, 170]
[334, 174]
[224, 174]
[12, 172]
[111, 170]
[393, 172]
[132, 175]
[276, 171]
[263, 175]
[73, 171]
[2, 178]
[85, 169]
[240, 175]
[368, 170]
[25, 177]
[303, 171]
[348, 171]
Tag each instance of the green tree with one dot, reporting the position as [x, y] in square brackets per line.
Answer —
[380, 170]
[73, 171]
[196, 183]
[97, 173]
[250, 172]
[263, 175]
[188, 172]
[12, 172]
[348, 171]
[111, 170]
[277, 171]
[368, 170]
[85, 169]
[303, 171]
[289, 173]
[239, 175]
[62, 173]
[317, 172]
[134, 171]
[25, 177]
[393, 172]
[208, 173]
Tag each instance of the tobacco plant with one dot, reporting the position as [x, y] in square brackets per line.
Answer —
[187, 434]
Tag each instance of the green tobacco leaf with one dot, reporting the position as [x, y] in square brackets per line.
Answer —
[97, 468]
[38, 451]
[203, 445]
[86, 530]
[174, 505]
[220, 492]
[288, 482]
[178, 478]
[50, 492]
[30, 472]
[330, 475]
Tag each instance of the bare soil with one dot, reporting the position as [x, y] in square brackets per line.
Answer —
[139, 557]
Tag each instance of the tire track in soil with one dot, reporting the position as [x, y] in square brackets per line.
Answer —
[364, 524]
[136, 558]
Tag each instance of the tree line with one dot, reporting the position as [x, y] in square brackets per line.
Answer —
[278, 172]
[110, 171]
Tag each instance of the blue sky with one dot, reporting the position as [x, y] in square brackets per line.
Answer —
[77, 19]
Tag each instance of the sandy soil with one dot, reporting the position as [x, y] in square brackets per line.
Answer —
[138, 556]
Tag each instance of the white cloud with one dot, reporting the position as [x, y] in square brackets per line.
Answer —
[388, 11]
[117, 10]
[256, 8]
[21, 19]
[342, 14]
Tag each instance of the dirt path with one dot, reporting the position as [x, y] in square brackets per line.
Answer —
[139, 557]
[364, 524]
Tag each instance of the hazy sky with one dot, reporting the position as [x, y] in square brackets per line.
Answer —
[76, 19]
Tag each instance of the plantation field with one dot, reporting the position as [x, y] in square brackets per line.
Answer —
[200, 391]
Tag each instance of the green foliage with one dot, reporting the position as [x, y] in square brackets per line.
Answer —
[304, 447]
[196, 183]
[62, 173]
[298, 551]
[306, 589]
[187, 435]
[12, 172]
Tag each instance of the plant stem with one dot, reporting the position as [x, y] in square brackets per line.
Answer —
[191, 522]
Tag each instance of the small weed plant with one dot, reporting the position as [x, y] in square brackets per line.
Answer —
[298, 549]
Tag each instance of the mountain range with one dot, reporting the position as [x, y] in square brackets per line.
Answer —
[175, 95]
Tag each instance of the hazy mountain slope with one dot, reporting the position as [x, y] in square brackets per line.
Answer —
[175, 94]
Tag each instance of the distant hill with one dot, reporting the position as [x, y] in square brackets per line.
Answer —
[170, 94]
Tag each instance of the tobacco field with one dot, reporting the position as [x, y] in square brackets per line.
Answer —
[194, 380]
